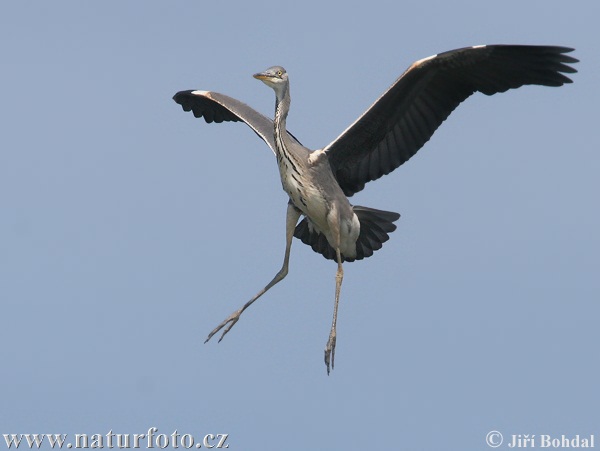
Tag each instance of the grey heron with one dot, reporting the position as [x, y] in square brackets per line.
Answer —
[318, 183]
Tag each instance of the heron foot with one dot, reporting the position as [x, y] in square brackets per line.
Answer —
[330, 350]
[229, 322]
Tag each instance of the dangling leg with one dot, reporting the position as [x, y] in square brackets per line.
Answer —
[293, 214]
[330, 347]
[339, 276]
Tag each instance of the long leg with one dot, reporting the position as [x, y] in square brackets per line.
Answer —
[293, 214]
[339, 276]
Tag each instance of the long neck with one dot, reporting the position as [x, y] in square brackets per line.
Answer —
[282, 107]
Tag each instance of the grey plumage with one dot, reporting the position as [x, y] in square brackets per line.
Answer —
[387, 135]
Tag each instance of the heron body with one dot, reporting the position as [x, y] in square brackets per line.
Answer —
[306, 176]
[318, 183]
[322, 207]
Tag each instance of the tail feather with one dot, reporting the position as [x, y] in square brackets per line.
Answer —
[375, 225]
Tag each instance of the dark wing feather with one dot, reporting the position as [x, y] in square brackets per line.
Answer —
[215, 107]
[397, 125]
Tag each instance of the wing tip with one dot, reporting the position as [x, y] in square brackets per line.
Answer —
[180, 95]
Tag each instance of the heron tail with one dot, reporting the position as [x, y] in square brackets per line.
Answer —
[375, 227]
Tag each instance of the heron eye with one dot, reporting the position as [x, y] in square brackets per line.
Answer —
[279, 73]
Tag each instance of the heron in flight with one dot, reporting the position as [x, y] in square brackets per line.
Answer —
[319, 182]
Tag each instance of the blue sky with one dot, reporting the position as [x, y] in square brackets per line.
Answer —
[129, 229]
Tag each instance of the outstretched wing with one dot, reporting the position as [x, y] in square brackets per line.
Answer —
[397, 125]
[215, 107]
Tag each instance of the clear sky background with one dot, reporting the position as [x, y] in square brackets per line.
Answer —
[129, 229]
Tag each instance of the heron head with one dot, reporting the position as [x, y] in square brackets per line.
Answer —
[275, 77]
